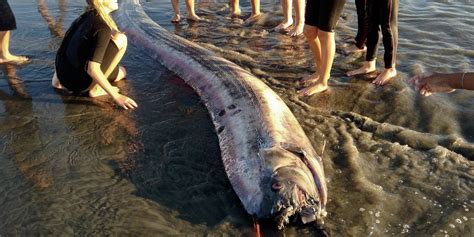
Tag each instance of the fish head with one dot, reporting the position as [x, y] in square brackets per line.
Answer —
[293, 191]
[293, 197]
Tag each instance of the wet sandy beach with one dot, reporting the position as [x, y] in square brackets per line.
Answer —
[396, 163]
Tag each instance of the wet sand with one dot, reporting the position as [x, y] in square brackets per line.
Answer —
[396, 163]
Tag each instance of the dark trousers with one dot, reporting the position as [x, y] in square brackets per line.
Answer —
[382, 16]
[362, 24]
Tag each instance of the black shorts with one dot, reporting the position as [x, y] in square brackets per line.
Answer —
[78, 80]
[7, 19]
[323, 14]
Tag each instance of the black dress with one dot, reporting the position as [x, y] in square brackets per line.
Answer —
[87, 39]
[7, 19]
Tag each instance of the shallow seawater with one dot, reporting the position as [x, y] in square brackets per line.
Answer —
[396, 163]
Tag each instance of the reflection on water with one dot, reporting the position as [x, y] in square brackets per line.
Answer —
[55, 26]
[395, 162]
[24, 124]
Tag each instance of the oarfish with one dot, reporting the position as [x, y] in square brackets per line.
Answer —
[268, 159]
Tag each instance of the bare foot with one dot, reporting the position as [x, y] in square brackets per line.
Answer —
[55, 82]
[194, 18]
[253, 18]
[311, 78]
[176, 18]
[13, 59]
[353, 49]
[235, 13]
[296, 30]
[283, 26]
[317, 87]
[97, 91]
[384, 77]
[366, 68]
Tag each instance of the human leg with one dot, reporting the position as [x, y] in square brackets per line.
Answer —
[362, 24]
[5, 55]
[256, 13]
[190, 9]
[235, 8]
[7, 24]
[389, 28]
[287, 19]
[177, 17]
[323, 15]
[298, 27]
[328, 16]
[311, 34]
[362, 29]
[114, 53]
[328, 50]
[373, 37]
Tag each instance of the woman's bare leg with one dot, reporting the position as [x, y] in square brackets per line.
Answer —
[177, 17]
[256, 13]
[298, 27]
[287, 19]
[235, 8]
[311, 34]
[328, 50]
[120, 40]
[5, 55]
[191, 13]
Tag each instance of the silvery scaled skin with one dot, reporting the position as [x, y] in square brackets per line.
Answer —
[270, 162]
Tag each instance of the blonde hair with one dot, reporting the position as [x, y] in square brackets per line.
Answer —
[99, 8]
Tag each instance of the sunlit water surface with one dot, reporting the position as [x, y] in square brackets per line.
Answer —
[396, 163]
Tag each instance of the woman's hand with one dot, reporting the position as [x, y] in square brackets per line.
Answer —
[125, 102]
[430, 83]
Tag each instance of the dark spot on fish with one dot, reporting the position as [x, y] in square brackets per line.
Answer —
[220, 129]
[232, 106]
[222, 113]
[236, 112]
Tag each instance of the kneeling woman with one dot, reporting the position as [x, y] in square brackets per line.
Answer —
[87, 61]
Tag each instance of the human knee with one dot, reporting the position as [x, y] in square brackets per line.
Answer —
[325, 34]
[120, 39]
[310, 33]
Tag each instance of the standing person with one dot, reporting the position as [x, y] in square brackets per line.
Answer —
[87, 60]
[190, 9]
[256, 13]
[297, 28]
[381, 14]
[321, 18]
[7, 24]
[362, 27]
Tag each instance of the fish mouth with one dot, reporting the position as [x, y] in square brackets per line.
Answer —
[295, 202]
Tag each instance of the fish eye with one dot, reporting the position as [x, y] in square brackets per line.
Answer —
[277, 186]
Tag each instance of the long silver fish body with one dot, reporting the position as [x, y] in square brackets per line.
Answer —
[268, 159]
